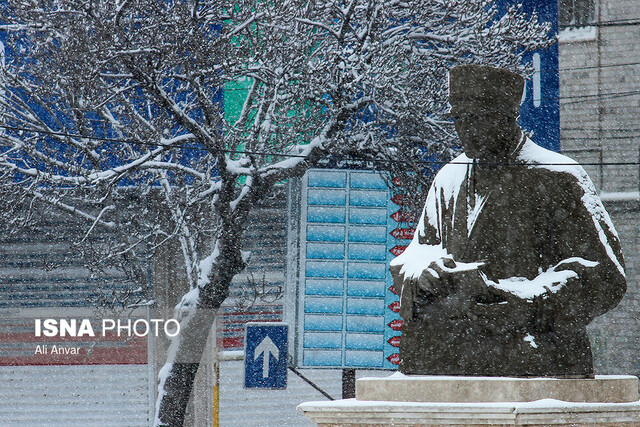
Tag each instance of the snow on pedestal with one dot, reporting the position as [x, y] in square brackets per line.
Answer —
[436, 400]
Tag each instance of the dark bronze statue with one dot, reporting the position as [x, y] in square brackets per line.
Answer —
[514, 253]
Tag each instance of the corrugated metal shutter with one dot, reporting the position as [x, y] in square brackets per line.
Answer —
[266, 238]
[38, 270]
[75, 395]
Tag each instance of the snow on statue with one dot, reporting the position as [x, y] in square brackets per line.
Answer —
[514, 253]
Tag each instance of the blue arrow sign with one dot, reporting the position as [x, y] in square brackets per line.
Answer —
[265, 356]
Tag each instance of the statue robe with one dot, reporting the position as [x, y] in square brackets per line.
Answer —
[519, 220]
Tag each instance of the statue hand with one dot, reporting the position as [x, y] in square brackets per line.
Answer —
[444, 277]
[499, 311]
[455, 286]
[437, 278]
[471, 283]
[468, 286]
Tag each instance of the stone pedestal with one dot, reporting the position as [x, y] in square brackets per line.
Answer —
[401, 400]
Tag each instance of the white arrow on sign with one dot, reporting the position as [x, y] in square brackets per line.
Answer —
[266, 347]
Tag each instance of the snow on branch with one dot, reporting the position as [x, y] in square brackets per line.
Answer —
[320, 25]
[54, 201]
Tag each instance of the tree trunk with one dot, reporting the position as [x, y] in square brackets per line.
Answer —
[183, 359]
[182, 365]
[177, 390]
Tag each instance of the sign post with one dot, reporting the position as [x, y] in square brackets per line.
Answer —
[265, 358]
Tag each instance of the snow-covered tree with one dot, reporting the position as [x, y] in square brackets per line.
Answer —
[108, 104]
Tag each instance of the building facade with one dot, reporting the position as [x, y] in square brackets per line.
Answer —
[599, 44]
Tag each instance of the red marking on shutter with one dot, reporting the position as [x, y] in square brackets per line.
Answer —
[394, 341]
[396, 324]
[400, 199]
[394, 358]
[405, 217]
[395, 306]
[403, 233]
[397, 250]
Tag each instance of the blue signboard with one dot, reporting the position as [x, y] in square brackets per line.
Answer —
[540, 111]
[265, 357]
[346, 310]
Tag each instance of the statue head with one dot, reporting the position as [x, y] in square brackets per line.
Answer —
[485, 105]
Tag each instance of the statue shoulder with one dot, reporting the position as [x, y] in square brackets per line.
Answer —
[557, 167]
[566, 184]
[452, 175]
